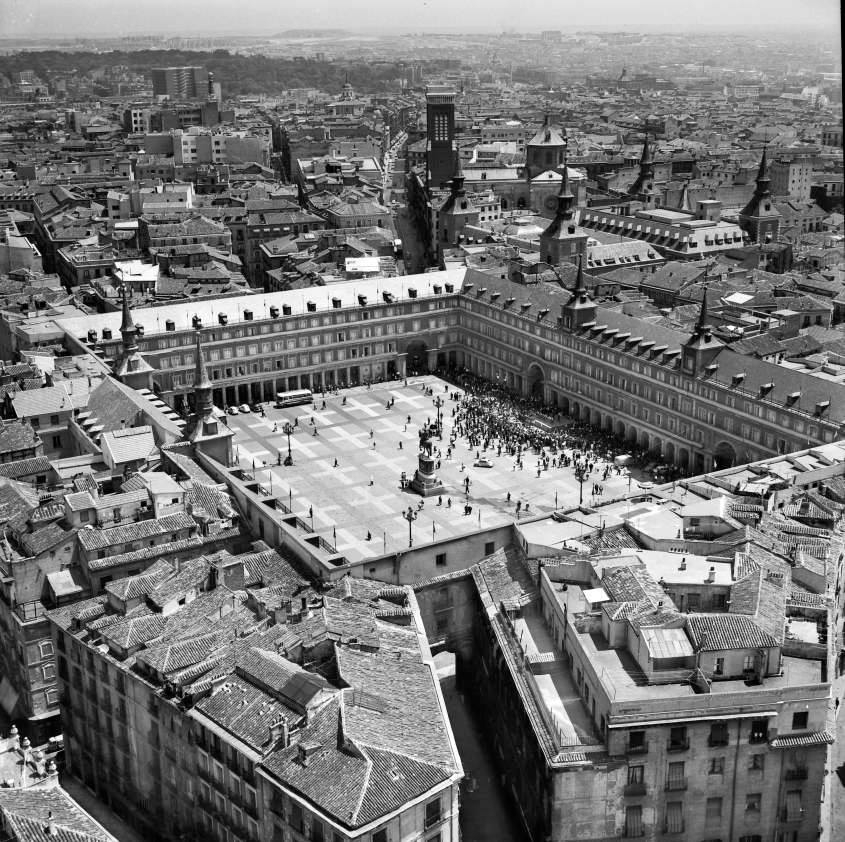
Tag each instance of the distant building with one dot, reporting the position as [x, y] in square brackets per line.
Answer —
[440, 121]
[180, 82]
[792, 178]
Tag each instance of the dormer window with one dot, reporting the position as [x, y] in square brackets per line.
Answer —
[737, 379]
[766, 388]
[822, 407]
[792, 398]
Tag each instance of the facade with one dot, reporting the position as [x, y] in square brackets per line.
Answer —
[180, 82]
[616, 371]
[792, 177]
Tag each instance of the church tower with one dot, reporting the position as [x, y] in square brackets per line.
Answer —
[440, 128]
[457, 211]
[131, 368]
[545, 151]
[759, 218]
[205, 430]
[562, 241]
[580, 310]
[701, 348]
[643, 188]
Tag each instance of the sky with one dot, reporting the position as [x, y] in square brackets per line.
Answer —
[196, 17]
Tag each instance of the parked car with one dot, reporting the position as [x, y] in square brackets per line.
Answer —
[244, 407]
[232, 410]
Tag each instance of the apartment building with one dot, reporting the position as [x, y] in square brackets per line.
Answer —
[188, 709]
[685, 396]
[656, 686]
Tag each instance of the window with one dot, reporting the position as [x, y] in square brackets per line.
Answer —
[440, 559]
[719, 669]
[674, 817]
[48, 671]
[318, 833]
[799, 720]
[295, 820]
[635, 774]
[432, 813]
[636, 741]
[380, 836]
[759, 731]
[752, 802]
[757, 762]
[751, 837]
[794, 810]
[718, 734]
[54, 419]
[489, 548]
[678, 740]
[713, 810]
[46, 649]
[676, 779]
[717, 766]
[633, 820]
[57, 441]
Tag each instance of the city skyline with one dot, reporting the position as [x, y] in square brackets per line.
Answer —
[90, 17]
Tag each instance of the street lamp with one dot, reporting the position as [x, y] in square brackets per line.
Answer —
[410, 516]
[438, 402]
[287, 430]
[581, 475]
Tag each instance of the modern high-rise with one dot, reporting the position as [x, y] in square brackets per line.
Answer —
[440, 123]
[180, 82]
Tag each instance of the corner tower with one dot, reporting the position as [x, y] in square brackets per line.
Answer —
[759, 218]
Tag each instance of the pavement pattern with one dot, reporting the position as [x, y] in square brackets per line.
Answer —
[345, 480]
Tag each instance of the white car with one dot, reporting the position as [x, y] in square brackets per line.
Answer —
[244, 407]
[232, 410]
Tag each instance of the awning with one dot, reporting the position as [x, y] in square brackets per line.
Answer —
[815, 739]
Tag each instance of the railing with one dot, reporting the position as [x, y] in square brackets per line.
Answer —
[799, 774]
[29, 611]
[675, 784]
[717, 741]
[788, 815]
[677, 745]
[675, 827]
[633, 790]
[638, 748]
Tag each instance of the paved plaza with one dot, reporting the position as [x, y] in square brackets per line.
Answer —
[363, 494]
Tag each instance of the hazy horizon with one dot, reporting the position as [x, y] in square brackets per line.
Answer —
[57, 18]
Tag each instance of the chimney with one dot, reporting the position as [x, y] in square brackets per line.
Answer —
[51, 829]
[711, 574]
[280, 731]
[683, 565]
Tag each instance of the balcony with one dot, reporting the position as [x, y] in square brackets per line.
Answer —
[713, 742]
[676, 827]
[799, 774]
[796, 815]
[637, 748]
[677, 745]
[676, 784]
[634, 790]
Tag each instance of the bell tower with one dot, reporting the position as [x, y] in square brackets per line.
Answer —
[440, 127]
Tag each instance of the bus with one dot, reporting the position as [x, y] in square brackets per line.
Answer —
[294, 398]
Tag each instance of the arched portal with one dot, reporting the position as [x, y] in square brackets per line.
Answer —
[535, 381]
[619, 429]
[724, 456]
[644, 441]
[417, 357]
[669, 452]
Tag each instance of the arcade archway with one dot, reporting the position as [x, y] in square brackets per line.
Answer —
[535, 381]
[417, 357]
[724, 456]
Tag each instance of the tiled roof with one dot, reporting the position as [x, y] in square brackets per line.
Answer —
[25, 467]
[27, 814]
[51, 399]
[166, 549]
[128, 445]
[133, 587]
[17, 435]
[99, 539]
[715, 632]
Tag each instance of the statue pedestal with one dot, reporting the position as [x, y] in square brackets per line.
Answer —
[425, 482]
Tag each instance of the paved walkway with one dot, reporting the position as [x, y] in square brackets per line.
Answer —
[346, 478]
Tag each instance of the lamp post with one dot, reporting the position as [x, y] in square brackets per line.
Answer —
[287, 430]
[580, 475]
[438, 402]
[410, 516]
